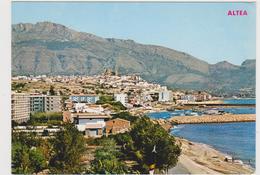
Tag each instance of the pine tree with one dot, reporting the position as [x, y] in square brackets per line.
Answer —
[69, 146]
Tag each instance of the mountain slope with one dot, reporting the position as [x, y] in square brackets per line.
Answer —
[49, 48]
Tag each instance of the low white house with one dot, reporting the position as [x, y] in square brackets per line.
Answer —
[92, 124]
[79, 106]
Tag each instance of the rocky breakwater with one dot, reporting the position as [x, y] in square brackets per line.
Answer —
[226, 118]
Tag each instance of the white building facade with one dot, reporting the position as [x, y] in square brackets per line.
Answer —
[121, 98]
[20, 107]
[165, 96]
[92, 124]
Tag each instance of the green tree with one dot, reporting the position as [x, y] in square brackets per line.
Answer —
[28, 139]
[98, 91]
[126, 116]
[20, 158]
[68, 148]
[37, 160]
[128, 149]
[52, 91]
[107, 99]
[117, 105]
[39, 118]
[18, 86]
[63, 99]
[153, 146]
[26, 156]
[107, 159]
[14, 123]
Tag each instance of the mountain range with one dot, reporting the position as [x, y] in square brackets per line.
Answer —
[54, 49]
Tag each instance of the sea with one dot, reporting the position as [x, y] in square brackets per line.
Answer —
[240, 101]
[234, 139]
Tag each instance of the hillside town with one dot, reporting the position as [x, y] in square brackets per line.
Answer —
[75, 95]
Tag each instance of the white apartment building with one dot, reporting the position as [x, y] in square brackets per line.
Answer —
[165, 96]
[20, 111]
[45, 103]
[53, 103]
[121, 98]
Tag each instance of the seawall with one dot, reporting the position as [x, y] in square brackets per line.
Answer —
[226, 118]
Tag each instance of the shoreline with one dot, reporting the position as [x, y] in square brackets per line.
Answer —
[200, 158]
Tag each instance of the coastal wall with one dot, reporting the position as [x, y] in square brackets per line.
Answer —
[226, 118]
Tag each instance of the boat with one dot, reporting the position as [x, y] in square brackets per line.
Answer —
[211, 112]
[194, 114]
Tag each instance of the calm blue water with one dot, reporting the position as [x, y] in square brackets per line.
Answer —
[235, 139]
[239, 110]
[240, 101]
[168, 114]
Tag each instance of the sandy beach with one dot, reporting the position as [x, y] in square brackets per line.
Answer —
[198, 158]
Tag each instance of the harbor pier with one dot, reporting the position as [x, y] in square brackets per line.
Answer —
[226, 118]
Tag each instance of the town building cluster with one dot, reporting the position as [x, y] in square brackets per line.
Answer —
[90, 118]
[23, 104]
[83, 93]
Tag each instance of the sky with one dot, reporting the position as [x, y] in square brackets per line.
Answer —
[203, 30]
